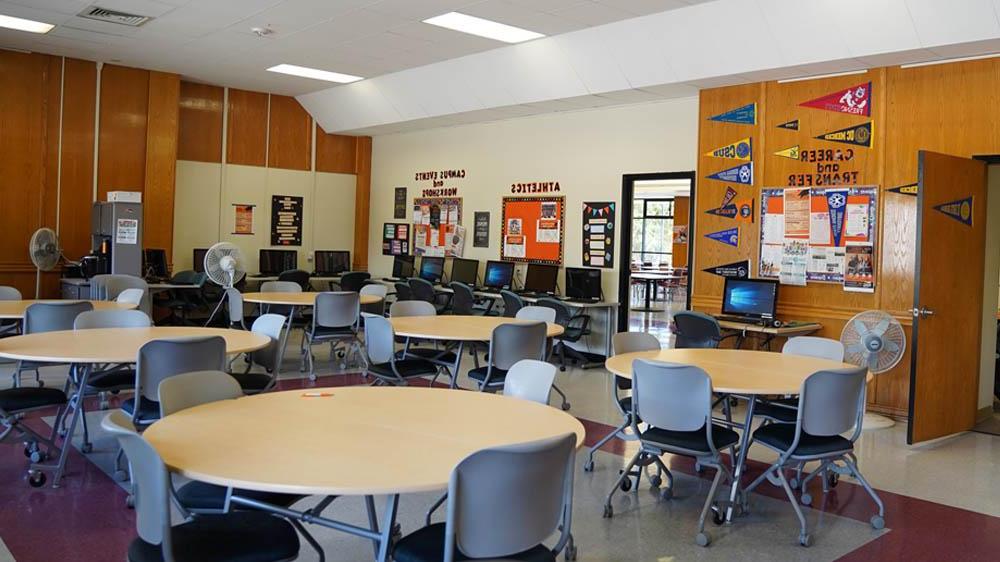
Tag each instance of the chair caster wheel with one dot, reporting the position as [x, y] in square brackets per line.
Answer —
[565, 406]
[718, 516]
[41, 384]
[312, 377]
[562, 368]
[807, 499]
[877, 522]
[655, 481]
[120, 475]
[570, 553]
[805, 540]
[130, 501]
[37, 457]
[793, 482]
[28, 450]
[86, 448]
[702, 539]
[397, 533]
[36, 479]
[833, 479]
[626, 485]
[588, 466]
[609, 512]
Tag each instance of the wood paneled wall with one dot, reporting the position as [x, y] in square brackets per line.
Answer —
[289, 139]
[949, 108]
[682, 208]
[200, 130]
[246, 133]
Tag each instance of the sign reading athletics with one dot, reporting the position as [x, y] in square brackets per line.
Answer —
[855, 100]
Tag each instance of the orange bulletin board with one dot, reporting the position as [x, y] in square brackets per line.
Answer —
[532, 229]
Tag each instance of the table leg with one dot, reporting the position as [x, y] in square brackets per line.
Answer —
[649, 285]
[609, 330]
[741, 457]
[83, 374]
[458, 363]
[388, 522]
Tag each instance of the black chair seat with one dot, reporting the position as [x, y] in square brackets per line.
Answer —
[407, 368]
[242, 536]
[25, 398]
[149, 410]
[784, 410]
[496, 377]
[625, 403]
[117, 378]
[427, 545]
[781, 435]
[430, 353]
[252, 382]
[201, 495]
[691, 440]
[323, 331]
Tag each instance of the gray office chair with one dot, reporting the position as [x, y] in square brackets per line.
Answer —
[502, 503]
[675, 401]
[235, 309]
[623, 342]
[380, 345]
[784, 410]
[14, 404]
[509, 343]
[298, 276]
[696, 330]
[47, 317]
[375, 289]
[423, 290]
[529, 379]
[548, 315]
[236, 536]
[352, 281]
[131, 296]
[109, 379]
[575, 327]
[334, 321]
[441, 357]
[403, 292]
[269, 357]
[512, 302]
[279, 287]
[9, 327]
[830, 403]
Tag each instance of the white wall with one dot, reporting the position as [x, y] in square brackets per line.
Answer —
[991, 289]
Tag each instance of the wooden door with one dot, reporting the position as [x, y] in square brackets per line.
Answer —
[948, 296]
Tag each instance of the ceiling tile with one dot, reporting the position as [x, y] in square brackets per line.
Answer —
[418, 11]
[505, 11]
[593, 13]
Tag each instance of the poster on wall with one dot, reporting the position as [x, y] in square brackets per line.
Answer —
[436, 222]
[599, 234]
[127, 231]
[680, 234]
[395, 239]
[859, 275]
[399, 203]
[243, 220]
[481, 229]
[532, 229]
[286, 220]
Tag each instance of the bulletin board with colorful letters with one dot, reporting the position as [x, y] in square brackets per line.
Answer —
[395, 239]
[532, 229]
[437, 228]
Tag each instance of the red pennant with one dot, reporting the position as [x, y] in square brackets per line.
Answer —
[855, 100]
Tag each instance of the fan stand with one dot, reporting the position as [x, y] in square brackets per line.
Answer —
[38, 282]
[222, 299]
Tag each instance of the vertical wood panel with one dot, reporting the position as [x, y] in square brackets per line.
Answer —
[246, 133]
[362, 201]
[335, 153]
[121, 164]
[49, 202]
[161, 160]
[200, 129]
[682, 206]
[76, 192]
[290, 136]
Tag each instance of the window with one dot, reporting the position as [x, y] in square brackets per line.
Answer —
[652, 231]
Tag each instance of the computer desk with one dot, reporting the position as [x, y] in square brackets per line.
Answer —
[258, 279]
[790, 330]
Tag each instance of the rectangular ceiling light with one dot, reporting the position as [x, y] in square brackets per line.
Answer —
[483, 28]
[314, 73]
[818, 76]
[946, 61]
[19, 24]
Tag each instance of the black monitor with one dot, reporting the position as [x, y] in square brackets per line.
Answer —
[331, 262]
[198, 259]
[583, 283]
[499, 275]
[541, 278]
[402, 267]
[431, 268]
[154, 262]
[750, 298]
[273, 262]
[465, 271]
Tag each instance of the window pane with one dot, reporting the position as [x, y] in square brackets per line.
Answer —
[636, 208]
[660, 209]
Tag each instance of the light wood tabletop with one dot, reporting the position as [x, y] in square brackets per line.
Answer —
[350, 440]
[457, 328]
[14, 310]
[114, 345]
[736, 371]
[296, 299]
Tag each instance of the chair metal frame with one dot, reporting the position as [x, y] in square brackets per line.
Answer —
[311, 337]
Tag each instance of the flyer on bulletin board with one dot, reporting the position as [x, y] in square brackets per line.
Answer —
[532, 229]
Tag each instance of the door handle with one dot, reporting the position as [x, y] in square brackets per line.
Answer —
[922, 312]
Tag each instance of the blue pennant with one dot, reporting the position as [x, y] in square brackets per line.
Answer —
[729, 236]
[742, 174]
[746, 115]
[960, 210]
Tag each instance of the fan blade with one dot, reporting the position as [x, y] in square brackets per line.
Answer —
[856, 348]
[861, 328]
[881, 327]
[890, 346]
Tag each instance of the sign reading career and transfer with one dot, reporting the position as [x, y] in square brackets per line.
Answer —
[286, 220]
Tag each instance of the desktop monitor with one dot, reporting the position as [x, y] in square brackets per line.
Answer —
[273, 262]
[198, 259]
[331, 262]
[750, 298]
[431, 268]
[499, 275]
[465, 271]
[154, 262]
[541, 278]
[402, 267]
[583, 283]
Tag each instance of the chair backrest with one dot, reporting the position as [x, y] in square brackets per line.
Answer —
[92, 319]
[151, 482]
[297, 276]
[630, 342]
[109, 286]
[280, 287]
[53, 316]
[463, 300]
[696, 329]
[355, 280]
[187, 390]
[337, 309]
[377, 289]
[832, 402]
[529, 379]
[671, 396]
[505, 500]
[185, 277]
[403, 292]
[380, 339]
[130, 296]
[512, 302]
[812, 346]
[160, 359]
[9, 293]
[412, 308]
[536, 313]
[510, 343]
[421, 289]
[563, 312]
[234, 303]
[272, 326]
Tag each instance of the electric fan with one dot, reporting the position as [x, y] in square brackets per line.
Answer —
[45, 253]
[874, 339]
[224, 267]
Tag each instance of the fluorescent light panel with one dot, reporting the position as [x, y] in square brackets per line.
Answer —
[484, 28]
[314, 73]
[946, 61]
[818, 76]
[31, 26]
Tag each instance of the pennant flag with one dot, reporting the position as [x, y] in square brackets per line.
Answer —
[960, 210]
[855, 100]
[836, 200]
[729, 211]
[730, 236]
[745, 210]
[728, 197]
[738, 270]
[790, 125]
[860, 135]
[909, 189]
[739, 174]
[790, 152]
[739, 150]
[746, 115]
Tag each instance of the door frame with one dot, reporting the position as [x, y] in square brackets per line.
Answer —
[625, 246]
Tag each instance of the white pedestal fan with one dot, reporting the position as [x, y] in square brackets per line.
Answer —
[876, 340]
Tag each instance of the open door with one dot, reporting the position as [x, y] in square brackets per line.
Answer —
[948, 296]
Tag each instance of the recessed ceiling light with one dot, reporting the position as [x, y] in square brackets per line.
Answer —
[818, 76]
[483, 28]
[946, 61]
[314, 73]
[19, 24]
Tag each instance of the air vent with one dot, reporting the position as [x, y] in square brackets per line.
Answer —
[113, 16]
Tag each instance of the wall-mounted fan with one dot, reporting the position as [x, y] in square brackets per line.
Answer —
[876, 340]
[45, 253]
[224, 266]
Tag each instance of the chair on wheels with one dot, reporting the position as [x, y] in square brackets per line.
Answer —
[47, 317]
[502, 503]
[423, 290]
[512, 302]
[235, 536]
[697, 330]
[9, 327]
[298, 276]
[624, 342]
[236, 310]
[675, 401]
[529, 379]
[352, 281]
[575, 326]
[270, 357]
[403, 292]
[831, 403]
[440, 357]
[509, 343]
[463, 300]
[547, 315]
[108, 287]
[130, 296]
[784, 410]
[334, 321]
[14, 404]
[182, 302]
[380, 344]
[378, 290]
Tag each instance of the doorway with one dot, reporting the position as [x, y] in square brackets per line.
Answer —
[988, 415]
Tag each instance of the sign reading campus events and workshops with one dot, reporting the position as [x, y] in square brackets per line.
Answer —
[286, 220]
[599, 234]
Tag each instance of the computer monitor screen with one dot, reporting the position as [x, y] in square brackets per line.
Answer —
[402, 267]
[465, 271]
[499, 275]
[583, 283]
[431, 269]
[155, 262]
[331, 262]
[273, 262]
[753, 298]
[541, 278]
[198, 259]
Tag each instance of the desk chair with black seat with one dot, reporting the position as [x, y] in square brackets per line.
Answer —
[697, 330]
[423, 290]
[402, 291]
[675, 401]
[442, 357]
[269, 357]
[831, 403]
[298, 276]
[335, 321]
[14, 404]
[9, 327]
[575, 325]
[352, 281]
[182, 302]
[229, 537]
[509, 343]
[47, 317]
[512, 302]
[383, 365]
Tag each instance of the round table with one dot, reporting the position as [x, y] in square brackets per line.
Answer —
[14, 310]
[356, 441]
[649, 280]
[296, 299]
